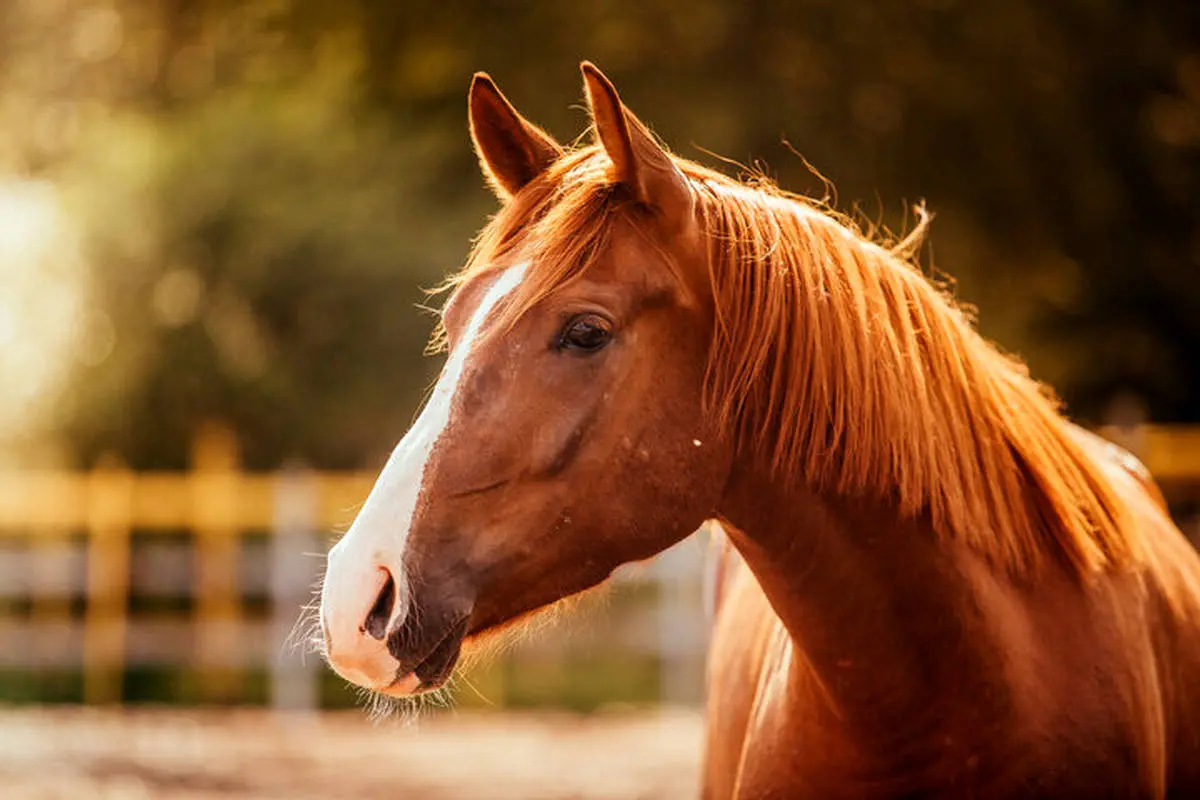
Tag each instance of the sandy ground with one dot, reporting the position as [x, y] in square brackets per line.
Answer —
[86, 753]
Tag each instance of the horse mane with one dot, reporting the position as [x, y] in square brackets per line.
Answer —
[838, 363]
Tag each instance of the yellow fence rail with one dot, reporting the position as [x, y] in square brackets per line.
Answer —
[1170, 452]
[215, 501]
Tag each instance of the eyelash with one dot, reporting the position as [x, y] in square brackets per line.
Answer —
[585, 333]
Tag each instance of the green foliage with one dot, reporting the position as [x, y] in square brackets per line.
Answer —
[44, 686]
[581, 684]
[289, 241]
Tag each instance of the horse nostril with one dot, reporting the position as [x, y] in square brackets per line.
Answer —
[377, 619]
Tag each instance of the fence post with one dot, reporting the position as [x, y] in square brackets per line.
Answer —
[214, 483]
[109, 516]
[51, 579]
[295, 681]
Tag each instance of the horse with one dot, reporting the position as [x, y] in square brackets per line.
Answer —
[930, 582]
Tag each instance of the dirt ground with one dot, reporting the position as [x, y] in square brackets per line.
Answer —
[87, 753]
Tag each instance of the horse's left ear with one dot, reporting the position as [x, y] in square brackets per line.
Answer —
[639, 162]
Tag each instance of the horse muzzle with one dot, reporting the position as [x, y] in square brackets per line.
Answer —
[382, 635]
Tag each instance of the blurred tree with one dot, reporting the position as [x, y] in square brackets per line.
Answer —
[262, 187]
[278, 291]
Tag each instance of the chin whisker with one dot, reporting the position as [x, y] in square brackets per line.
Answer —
[462, 676]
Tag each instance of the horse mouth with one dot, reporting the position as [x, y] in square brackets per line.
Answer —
[432, 671]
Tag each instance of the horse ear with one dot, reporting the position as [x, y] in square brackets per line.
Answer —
[512, 150]
[639, 161]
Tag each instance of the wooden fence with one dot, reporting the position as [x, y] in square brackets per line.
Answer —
[69, 533]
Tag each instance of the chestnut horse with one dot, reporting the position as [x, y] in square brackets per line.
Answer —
[934, 584]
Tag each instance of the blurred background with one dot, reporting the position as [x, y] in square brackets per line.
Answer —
[217, 220]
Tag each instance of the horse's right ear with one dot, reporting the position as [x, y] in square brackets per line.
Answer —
[512, 151]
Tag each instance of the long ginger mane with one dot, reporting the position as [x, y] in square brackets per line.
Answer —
[838, 363]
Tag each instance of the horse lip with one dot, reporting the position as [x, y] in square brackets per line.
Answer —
[436, 667]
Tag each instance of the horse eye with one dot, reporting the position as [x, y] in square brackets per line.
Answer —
[587, 333]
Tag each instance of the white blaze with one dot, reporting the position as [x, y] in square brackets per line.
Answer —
[379, 533]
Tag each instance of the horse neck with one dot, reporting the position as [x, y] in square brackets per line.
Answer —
[882, 611]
